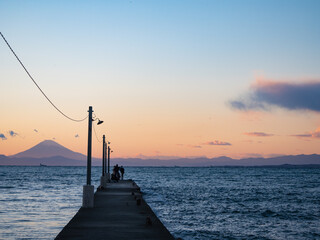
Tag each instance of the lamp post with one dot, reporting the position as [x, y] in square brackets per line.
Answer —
[88, 190]
[109, 162]
[103, 154]
[105, 158]
[89, 147]
[103, 179]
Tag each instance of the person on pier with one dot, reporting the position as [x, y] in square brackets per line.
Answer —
[122, 172]
[115, 173]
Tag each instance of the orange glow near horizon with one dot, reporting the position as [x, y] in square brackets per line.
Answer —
[173, 139]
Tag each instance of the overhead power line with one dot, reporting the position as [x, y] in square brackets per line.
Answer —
[72, 119]
[95, 133]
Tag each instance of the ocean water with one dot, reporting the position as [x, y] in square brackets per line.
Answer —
[193, 203]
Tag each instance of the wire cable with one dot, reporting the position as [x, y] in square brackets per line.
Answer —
[94, 129]
[72, 119]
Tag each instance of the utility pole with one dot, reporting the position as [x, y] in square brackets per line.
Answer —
[105, 158]
[103, 179]
[103, 155]
[88, 190]
[89, 147]
[109, 161]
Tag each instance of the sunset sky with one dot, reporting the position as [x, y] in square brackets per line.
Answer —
[168, 78]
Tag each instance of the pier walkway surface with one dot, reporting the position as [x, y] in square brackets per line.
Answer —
[119, 212]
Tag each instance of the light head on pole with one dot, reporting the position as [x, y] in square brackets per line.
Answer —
[99, 121]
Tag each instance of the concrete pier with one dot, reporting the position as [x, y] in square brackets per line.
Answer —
[103, 181]
[88, 196]
[119, 212]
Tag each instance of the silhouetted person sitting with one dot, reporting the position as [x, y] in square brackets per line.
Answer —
[115, 173]
[122, 172]
[113, 177]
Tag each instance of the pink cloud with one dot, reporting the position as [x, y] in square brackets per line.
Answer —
[314, 134]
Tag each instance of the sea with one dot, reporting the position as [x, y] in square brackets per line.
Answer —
[193, 203]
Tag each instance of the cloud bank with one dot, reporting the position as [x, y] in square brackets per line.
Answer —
[292, 96]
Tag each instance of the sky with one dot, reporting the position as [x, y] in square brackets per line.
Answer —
[168, 78]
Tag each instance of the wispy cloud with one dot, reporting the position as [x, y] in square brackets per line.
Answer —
[12, 133]
[217, 143]
[307, 135]
[188, 145]
[258, 134]
[265, 94]
[314, 134]
[194, 146]
[2, 136]
[76, 136]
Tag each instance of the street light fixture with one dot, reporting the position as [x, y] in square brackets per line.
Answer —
[99, 121]
[88, 190]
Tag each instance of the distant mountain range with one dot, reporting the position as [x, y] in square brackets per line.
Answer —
[51, 153]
